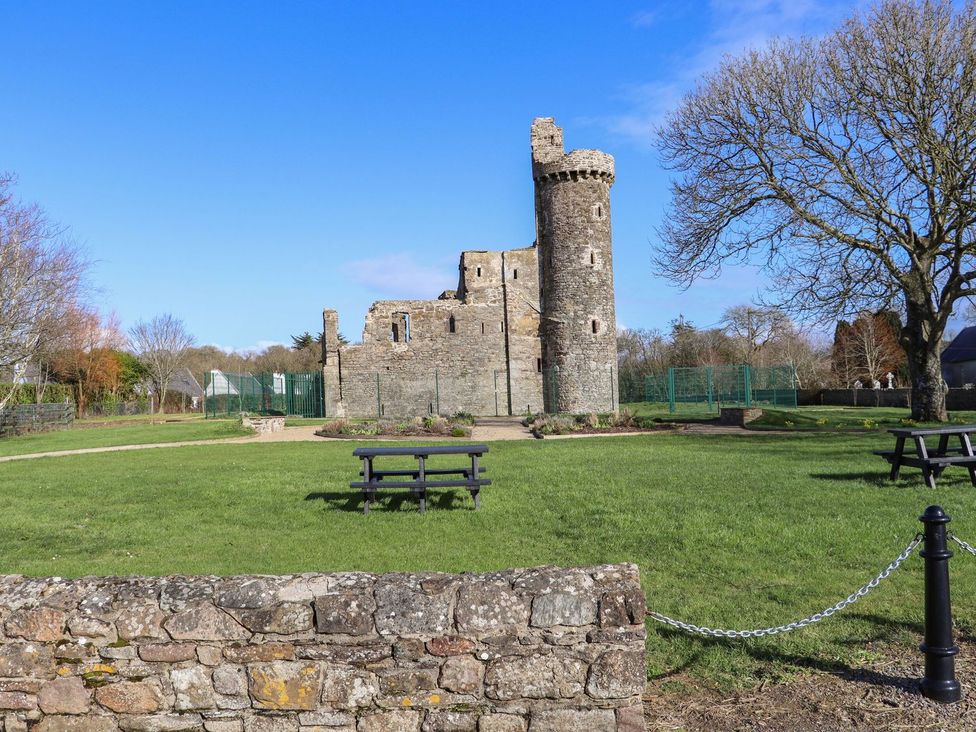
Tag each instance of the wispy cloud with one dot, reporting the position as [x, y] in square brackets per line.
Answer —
[729, 27]
[400, 276]
[645, 18]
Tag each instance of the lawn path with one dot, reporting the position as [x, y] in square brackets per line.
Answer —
[491, 431]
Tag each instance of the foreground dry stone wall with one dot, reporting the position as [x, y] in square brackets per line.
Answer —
[522, 650]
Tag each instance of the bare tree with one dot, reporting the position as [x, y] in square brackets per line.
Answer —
[806, 352]
[752, 329]
[868, 347]
[162, 344]
[41, 276]
[845, 165]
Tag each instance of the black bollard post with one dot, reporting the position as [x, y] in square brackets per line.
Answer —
[939, 682]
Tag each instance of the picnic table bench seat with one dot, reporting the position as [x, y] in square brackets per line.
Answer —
[468, 476]
[935, 461]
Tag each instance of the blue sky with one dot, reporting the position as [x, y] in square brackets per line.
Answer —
[243, 165]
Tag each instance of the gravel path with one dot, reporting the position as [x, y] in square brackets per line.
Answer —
[488, 429]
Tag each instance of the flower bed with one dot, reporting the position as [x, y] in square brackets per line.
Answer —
[457, 426]
[542, 425]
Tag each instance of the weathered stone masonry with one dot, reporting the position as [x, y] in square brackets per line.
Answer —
[518, 318]
[532, 650]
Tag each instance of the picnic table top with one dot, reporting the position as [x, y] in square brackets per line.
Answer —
[426, 450]
[957, 429]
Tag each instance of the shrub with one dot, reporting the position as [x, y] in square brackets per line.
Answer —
[27, 393]
[625, 418]
[345, 427]
[461, 417]
[459, 431]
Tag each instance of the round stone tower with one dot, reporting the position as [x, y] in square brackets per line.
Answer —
[578, 321]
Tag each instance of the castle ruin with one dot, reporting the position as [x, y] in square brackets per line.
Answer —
[530, 329]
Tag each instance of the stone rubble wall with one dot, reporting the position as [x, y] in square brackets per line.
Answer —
[264, 425]
[533, 650]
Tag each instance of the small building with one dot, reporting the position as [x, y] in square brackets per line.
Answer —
[185, 383]
[959, 359]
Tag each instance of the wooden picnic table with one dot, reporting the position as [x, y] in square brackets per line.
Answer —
[933, 462]
[419, 479]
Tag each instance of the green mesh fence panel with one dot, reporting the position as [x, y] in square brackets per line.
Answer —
[706, 388]
[229, 394]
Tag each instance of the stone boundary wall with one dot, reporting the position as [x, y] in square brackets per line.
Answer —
[533, 650]
[956, 399]
[19, 418]
[738, 416]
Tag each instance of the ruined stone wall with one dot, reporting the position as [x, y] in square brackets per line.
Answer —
[578, 320]
[521, 292]
[546, 650]
[460, 353]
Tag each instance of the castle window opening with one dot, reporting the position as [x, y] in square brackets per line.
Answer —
[501, 326]
[400, 330]
[482, 329]
[514, 274]
[538, 365]
[592, 257]
[479, 272]
[451, 325]
[595, 325]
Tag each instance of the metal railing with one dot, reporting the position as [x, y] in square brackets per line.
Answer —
[939, 682]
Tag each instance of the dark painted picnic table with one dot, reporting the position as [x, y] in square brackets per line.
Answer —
[418, 479]
[932, 461]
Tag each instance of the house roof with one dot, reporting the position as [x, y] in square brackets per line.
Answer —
[184, 382]
[962, 348]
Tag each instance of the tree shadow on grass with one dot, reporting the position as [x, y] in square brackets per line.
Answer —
[884, 631]
[881, 480]
[865, 476]
[352, 501]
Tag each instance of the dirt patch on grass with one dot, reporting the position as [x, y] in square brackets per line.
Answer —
[881, 696]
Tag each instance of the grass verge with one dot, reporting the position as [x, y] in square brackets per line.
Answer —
[120, 434]
[737, 531]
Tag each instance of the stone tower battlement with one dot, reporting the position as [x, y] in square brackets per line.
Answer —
[550, 162]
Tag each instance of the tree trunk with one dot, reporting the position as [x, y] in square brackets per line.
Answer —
[924, 367]
[162, 399]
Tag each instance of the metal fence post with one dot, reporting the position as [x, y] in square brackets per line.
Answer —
[495, 377]
[671, 390]
[379, 407]
[437, 390]
[939, 682]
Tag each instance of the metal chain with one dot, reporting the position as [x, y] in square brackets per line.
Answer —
[815, 618]
[965, 545]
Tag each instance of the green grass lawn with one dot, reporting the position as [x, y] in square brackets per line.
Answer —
[734, 531]
[122, 433]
